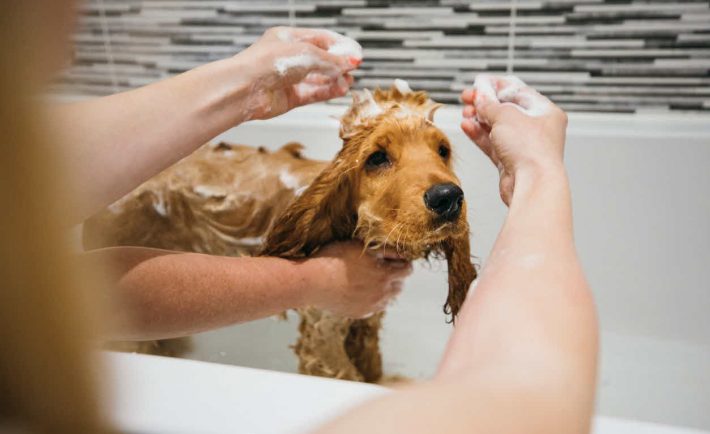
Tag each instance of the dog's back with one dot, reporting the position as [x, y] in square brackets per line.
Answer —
[220, 200]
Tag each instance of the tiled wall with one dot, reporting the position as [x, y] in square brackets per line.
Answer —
[587, 55]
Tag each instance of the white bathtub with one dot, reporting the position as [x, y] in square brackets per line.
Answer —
[641, 188]
[159, 395]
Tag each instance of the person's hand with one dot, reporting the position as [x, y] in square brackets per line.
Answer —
[354, 283]
[517, 127]
[289, 67]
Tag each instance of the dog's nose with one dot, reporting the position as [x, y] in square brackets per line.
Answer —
[445, 200]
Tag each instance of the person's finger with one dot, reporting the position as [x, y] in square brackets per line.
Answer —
[394, 289]
[469, 112]
[467, 96]
[342, 62]
[476, 132]
[317, 78]
[386, 253]
[490, 112]
[349, 79]
[398, 270]
[307, 93]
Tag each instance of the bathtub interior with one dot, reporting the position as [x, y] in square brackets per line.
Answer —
[640, 189]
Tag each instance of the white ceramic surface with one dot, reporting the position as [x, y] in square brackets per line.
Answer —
[151, 395]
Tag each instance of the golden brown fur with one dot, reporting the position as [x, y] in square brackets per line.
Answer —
[346, 199]
[381, 207]
[220, 200]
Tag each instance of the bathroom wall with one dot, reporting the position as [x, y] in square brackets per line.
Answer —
[588, 55]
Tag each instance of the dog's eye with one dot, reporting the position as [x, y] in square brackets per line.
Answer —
[377, 159]
[444, 152]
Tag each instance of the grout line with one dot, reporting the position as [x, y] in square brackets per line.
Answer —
[107, 46]
[511, 36]
[291, 13]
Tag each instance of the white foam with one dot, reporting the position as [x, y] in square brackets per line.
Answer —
[288, 180]
[250, 241]
[208, 191]
[343, 45]
[402, 86]
[284, 35]
[533, 104]
[283, 64]
[300, 191]
[159, 205]
[511, 86]
[515, 91]
[511, 90]
[370, 108]
[306, 90]
[484, 88]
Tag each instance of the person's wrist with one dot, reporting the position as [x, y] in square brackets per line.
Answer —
[248, 101]
[539, 167]
[541, 172]
[314, 272]
[224, 92]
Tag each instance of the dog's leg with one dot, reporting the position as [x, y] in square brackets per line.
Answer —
[363, 349]
[321, 346]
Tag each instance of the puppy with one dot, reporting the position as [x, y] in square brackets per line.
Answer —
[391, 186]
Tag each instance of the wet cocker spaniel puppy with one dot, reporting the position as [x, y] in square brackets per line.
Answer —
[391, 186]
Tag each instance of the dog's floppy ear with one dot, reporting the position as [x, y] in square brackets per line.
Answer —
[323, 213]
[461, 272]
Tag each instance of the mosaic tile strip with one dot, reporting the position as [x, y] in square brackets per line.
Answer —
[587, 55]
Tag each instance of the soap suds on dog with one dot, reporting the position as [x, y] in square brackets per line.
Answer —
[289, 180]
[402, 86]
[159, 204]
[208, 191]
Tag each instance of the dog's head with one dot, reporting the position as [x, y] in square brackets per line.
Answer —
[391, 186]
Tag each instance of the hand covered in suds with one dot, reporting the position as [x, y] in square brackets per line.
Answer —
[517, 127]
[290, 67]
[354, 283]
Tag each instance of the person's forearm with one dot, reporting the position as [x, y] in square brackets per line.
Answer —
[116, 142]
[165, 294]
[532, 289]
[530, 323]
